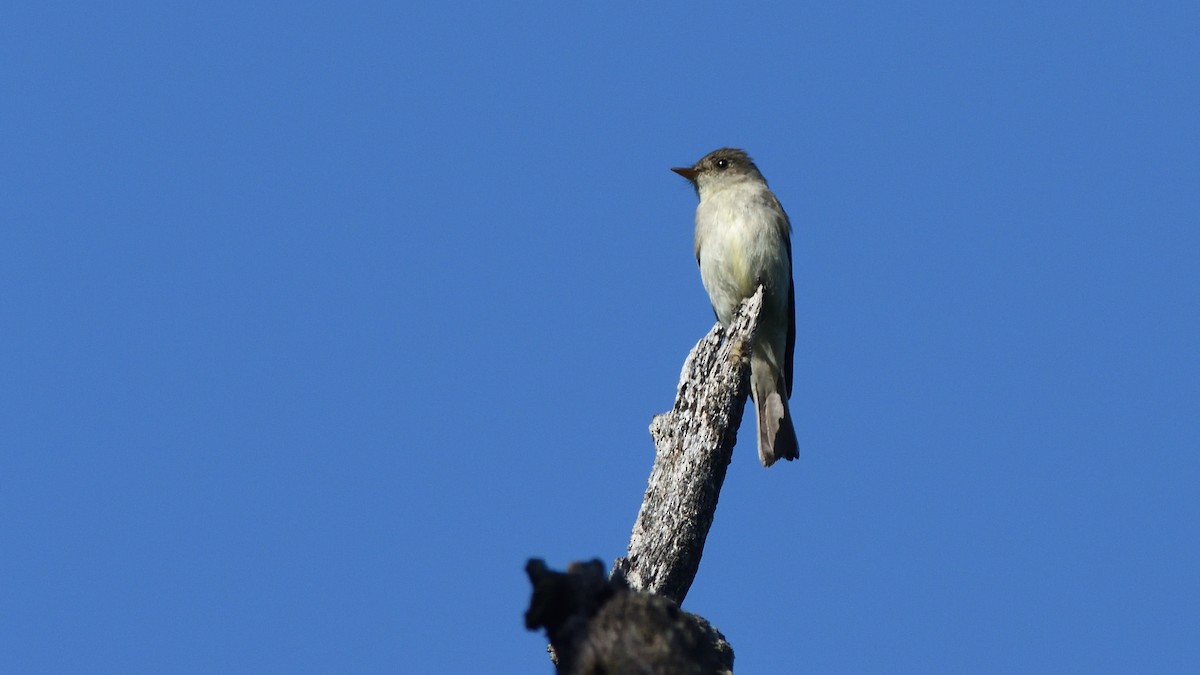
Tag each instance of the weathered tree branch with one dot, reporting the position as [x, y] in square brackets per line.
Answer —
[631, 622]
[597, 625]
[694, 444]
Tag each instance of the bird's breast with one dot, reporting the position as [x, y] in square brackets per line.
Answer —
[739, 241]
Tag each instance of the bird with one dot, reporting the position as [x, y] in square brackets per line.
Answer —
[743, 239]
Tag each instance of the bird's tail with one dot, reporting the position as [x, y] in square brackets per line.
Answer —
[776, 435]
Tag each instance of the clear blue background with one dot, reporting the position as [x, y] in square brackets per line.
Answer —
[318, 320]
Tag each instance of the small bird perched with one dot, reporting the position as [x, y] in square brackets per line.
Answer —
[743, 239]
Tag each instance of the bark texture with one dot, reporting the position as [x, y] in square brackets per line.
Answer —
[694, 444]
[597, 626]
[630, 622]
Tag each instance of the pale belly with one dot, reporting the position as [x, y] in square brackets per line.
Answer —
[738, 253]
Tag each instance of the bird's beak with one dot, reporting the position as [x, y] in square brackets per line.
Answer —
[687, 172]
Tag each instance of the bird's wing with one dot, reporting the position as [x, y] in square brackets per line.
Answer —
[789, 352]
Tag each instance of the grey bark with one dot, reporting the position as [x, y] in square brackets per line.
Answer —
[631, 622]
[694, 444]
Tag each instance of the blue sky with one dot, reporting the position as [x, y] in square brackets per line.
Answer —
[319, 320]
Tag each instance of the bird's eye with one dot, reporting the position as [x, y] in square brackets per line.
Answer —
[722, 164]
